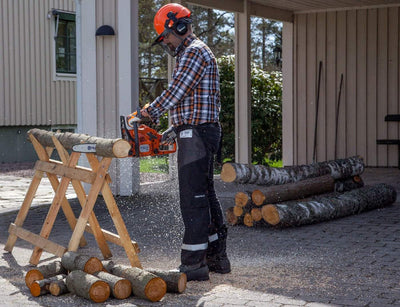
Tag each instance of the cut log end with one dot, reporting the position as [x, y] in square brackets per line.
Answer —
[231, 218]
[241, 199]
[270, 214]
[228, 173]
[93, 265]
[182, 283]
[258, 197]
[237, 211]
[256, 214]
[31, 276]
[155, 289]
[121, 148]
[122, 289]
[35, 289]
[99, 291]
[248, 220]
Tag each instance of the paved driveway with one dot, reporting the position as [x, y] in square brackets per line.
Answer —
[352, 261]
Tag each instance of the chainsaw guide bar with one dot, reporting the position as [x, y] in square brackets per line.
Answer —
[85, 148]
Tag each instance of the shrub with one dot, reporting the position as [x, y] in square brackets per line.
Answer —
[266, 112]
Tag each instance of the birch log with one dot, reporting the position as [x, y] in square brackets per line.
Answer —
[88, 286]
[323, 208]
[348, 184]
[291, 191]
[144, 284]
[41, 287]
[121, 288]
[175, 280]
[73, 261]
[58, 287]
[117, 148]
[44, 271]
[263, 175]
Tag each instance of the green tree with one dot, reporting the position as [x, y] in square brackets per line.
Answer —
[266, 36]
[266, 114]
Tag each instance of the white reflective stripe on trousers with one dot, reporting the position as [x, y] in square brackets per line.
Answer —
[213, 237]
[195, 247]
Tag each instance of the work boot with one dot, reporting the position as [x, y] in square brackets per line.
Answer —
[197, 272]
[217, 259]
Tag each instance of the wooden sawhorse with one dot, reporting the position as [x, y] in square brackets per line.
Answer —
[44, 143]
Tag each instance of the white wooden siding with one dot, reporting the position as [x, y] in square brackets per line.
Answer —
[28, 93]
[363, 45]
[107, 70]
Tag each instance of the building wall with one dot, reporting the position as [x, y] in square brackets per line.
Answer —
[29, 94]
[364, 46]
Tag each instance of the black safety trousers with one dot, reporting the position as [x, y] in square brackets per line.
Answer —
[200, 207]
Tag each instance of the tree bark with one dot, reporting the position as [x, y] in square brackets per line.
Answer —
[144, 284]
[117, 148]
[263, 175]
[323, 208]
[88, 286]
[44, 271]
[41, 287]
[291, 191]
[348, 184]
[175, 280]
[121, 288]
[58, 287]
[73, 261]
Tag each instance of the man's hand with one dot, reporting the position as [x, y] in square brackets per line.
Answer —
[144, 112]
[168, 137]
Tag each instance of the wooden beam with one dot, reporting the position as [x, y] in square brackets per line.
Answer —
[259, 10]
[37, 240]
[242, 88]
[64, 171]
[235, 6]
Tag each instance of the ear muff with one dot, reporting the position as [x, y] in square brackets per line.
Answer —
[181, 28]
[179, 25]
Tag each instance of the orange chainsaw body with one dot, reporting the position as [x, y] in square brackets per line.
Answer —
[145, 141]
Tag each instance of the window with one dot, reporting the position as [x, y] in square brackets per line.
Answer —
[65, 43]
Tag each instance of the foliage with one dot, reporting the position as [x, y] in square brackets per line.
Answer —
[266, 36]
[154, 164]
[266, 114]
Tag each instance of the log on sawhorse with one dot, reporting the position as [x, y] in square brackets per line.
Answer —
[67, 169]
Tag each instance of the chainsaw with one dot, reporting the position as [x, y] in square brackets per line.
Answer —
[144, 140]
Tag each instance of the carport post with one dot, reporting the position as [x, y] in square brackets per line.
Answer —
[242, 87]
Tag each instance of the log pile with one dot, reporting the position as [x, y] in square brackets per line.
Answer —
[299, 195]
[97, 280]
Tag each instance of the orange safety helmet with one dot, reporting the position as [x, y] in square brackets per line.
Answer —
[172, 16]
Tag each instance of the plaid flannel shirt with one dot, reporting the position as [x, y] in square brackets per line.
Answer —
[193, 95]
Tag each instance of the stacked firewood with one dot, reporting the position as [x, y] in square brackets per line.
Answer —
[305, 194]
[97, 280]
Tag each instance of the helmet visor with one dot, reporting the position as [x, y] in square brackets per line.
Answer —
[160, 38]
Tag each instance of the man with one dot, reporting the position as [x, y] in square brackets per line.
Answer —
[193, 101]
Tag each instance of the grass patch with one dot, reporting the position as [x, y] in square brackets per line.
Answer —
[154, 165]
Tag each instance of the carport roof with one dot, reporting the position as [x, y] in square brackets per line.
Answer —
[285, 9]
[297, 6]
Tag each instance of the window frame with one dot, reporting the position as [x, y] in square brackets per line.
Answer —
[55, 15]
